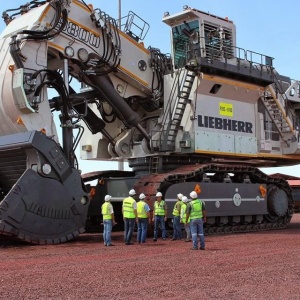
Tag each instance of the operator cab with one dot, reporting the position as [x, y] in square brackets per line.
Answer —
[199, 34]
[202, 39]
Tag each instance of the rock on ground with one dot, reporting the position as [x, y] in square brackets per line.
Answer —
[262, 265]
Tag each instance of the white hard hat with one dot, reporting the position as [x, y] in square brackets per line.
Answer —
[179, 196]
[107, 198]
[185, 199]
[142, 196]
[158, 194]
[193, 195]
[132, 192]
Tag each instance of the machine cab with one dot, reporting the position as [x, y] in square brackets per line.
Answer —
[198, 34]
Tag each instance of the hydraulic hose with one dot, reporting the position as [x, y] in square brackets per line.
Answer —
[122, 109]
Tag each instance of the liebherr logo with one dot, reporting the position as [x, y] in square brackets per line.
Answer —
[224, 124]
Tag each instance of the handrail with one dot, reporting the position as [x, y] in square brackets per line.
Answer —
[139, 25]
[289, 111]
[172, 99]
[218, 51]
[265, 60]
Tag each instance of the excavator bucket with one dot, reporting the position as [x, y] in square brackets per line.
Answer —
[43, 199]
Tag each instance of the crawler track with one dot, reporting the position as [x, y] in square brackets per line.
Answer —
[150, 184]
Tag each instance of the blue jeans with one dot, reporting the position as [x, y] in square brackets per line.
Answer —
[187, 230]
[142, 230]
[107, 227]
[159, 221]
[196, 226]
[128, 229]
[177, 234]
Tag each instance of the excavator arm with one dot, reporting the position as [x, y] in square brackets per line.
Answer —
[49, 43]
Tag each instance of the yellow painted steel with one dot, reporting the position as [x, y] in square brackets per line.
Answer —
[133, 76]
[232, 82]
[51, 44]
[258, 155]
[81, 5]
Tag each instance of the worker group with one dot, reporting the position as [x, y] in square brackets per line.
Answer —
[189, 213]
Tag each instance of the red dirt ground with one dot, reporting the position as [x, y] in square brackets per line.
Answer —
[261, 265]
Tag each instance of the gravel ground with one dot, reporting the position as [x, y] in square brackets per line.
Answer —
[261, 265]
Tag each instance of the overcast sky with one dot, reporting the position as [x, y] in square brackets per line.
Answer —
[264, 26]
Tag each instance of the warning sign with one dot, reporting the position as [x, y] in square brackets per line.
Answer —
[226, 109]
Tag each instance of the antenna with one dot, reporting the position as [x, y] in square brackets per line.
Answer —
[120, 13]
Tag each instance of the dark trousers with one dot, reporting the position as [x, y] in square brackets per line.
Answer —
[142, 230]
[128, 229]
[159, 221]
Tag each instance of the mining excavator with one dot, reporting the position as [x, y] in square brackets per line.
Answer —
[205, 118]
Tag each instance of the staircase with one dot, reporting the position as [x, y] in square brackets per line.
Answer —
[154, 166]
[175, 109]
[277, 108]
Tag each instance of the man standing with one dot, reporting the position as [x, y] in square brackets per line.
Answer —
[197, 214]
[143, 217]
[129, 216]
[108, 220]
[159, 216]
[177, 234]
[185, 201]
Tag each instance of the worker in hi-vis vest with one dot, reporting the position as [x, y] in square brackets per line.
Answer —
[129, 216]
[177, 234]
[197, 214]
[143, 213]
[159, 216]
[107, 211]
[186, 224]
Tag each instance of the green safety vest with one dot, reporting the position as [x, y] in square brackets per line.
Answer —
[176, 213]
[159, 208]
[141, 212]
[183, 209]
[106, 211]
[128, 210]
[196, 212]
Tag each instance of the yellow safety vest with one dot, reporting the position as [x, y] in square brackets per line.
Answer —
[196, 212]
[159, 208]
[106, 211]
[176, 213]
[141, 212]
[183, 210]
[128, 210]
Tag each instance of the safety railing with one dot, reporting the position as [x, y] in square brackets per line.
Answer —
[225, 53]
[135, 26]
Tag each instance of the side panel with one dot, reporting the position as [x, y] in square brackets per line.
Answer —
[223, 199]
[226, 118]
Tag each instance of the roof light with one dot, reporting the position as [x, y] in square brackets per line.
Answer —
[69, 51]
[83, 54]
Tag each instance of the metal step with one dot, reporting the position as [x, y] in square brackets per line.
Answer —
[277, 111]
[176, 112]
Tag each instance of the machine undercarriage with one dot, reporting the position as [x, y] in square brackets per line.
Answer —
[238, 197]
